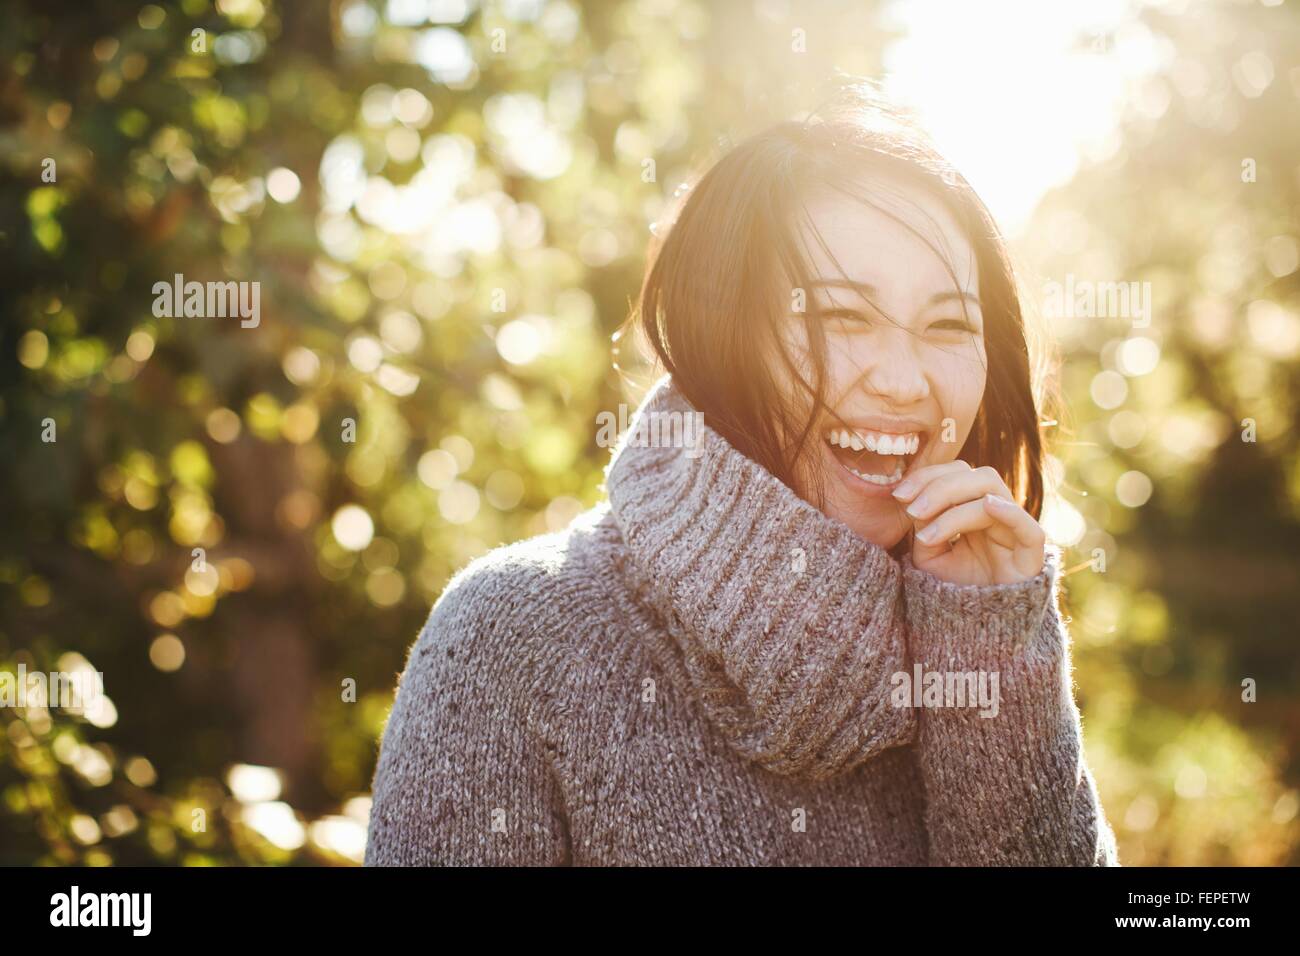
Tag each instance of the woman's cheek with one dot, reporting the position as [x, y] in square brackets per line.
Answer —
[959, 388]
[842, 369]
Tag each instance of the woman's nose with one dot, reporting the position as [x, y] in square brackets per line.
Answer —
[896, 373]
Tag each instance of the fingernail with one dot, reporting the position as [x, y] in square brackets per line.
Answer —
[904, 490]
[996, 501]
[917, 507]
[926, 534]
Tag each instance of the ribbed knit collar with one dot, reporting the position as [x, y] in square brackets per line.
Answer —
[785, 617]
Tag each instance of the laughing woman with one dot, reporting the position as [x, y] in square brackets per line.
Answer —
[825, 632]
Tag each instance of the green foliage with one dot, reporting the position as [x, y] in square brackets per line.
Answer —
[1200, 199]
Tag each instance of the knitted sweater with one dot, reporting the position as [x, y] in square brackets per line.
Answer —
[706, 670]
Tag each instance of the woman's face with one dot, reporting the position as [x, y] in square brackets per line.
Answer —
[904, 386]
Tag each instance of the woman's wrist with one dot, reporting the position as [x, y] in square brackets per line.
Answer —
[979, 622]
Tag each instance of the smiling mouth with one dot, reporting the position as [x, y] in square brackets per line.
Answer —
[878, 458]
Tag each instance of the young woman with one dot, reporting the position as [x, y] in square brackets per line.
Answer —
[823, 632]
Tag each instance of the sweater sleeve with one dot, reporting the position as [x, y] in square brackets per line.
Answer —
[461, 779]
[1006, 782]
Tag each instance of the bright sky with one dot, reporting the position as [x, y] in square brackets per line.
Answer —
[1012, 90]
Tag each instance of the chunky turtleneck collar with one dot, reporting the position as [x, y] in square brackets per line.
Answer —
[787, 620]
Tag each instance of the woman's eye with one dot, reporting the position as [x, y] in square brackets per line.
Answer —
[846, 316]
[954, 325]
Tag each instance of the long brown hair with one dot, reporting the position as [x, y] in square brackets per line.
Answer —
[712, 299]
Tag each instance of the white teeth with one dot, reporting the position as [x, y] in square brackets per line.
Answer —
[879, 442]
[881, 479]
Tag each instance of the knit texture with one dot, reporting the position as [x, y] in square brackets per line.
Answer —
[706, 670]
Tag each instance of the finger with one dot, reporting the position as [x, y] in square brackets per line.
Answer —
[910, 486]
[923, 551]
[1029, 534]
[950, 490]
[964, 519]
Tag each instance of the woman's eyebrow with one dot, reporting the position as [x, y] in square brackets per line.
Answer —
[951, 296]
[869, 291]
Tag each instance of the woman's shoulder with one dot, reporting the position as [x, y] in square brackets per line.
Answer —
[522, 601]
[550, 571]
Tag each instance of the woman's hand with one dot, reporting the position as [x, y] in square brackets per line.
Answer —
[999, 542]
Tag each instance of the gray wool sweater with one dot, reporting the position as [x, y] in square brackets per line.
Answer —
[706, 670]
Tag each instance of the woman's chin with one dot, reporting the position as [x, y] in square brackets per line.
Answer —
[869, 509]
[877, 518]
[885, 531]
[870, 512]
